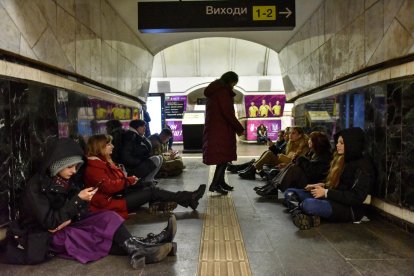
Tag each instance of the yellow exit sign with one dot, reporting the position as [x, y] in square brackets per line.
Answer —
[261, 13]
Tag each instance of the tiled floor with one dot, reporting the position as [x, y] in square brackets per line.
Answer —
[273, 244]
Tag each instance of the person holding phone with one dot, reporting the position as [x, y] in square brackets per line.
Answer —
[340, 198]
[54, 205]
[122, 193]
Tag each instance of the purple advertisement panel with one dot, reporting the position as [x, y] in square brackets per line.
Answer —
[264, 105]
[272, 126]
[105, 111]
[176, 128]
[175, 106]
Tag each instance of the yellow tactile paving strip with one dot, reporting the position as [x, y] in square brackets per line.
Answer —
[222, 250]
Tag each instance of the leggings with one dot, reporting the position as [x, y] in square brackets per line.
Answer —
[135, 198]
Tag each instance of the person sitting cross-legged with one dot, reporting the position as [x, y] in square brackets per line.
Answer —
[341, 197]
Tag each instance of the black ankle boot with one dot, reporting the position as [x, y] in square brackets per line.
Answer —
[140, 252]
[249, 173]
[226, 186]
[214, 187]
[235, 168]
[196, 195]
[166, 235]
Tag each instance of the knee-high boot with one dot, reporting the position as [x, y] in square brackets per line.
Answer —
[184, 198]
[221, 182]
[215, 183]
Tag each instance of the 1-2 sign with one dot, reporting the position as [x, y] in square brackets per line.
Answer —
[264, 13]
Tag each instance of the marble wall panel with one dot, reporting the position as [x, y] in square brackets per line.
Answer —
[314, 69]
[96, 60]
[341, 12]
[405, 16]
[109, 65]
[83, 50]
[369, 3]
[5, 152]
[374, 29]
[88, 12]
[320, 14]
[25, 49]
[329, 19]
[326, 62]
[122, 63]
[395, 43]
[354, 9]
[313, 33]
[48, 10]
[27, 17]
[10, 39]
[340, 53]
[356, 57]
[67, 5]
[379, 30]
[391, 8]
[66, 35]
[48, 50]
[108, 29]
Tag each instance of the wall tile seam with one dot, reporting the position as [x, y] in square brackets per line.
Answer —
[347, 25]
[133, 32]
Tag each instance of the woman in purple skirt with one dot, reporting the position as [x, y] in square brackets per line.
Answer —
[54, 204]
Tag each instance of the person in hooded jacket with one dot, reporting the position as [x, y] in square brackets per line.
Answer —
[53, 204]
[220, 129]
[341, 197]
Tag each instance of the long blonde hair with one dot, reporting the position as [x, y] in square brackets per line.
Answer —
[96, 145]
[335, 172]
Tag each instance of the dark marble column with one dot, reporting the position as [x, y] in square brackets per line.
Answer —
[5, 151]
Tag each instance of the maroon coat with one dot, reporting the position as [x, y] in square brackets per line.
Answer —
[221, 125]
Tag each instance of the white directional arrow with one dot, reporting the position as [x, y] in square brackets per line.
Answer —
[288, 12]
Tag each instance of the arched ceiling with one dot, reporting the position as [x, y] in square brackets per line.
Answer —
[155, 43]
[209, 57]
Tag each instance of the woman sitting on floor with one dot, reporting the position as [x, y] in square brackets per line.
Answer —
[57, 210]
[296, 146]
[348, 183]
[312, 167]
[121, 193]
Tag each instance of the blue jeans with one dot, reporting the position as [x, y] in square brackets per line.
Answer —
[310, 205]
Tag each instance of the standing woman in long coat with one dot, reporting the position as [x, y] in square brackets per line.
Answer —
[221, 125]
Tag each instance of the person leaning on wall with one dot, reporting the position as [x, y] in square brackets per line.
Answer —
[55, 218]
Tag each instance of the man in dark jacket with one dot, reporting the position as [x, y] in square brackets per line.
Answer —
[221, 125]
[136, 153]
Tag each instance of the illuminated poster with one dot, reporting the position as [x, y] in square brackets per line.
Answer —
[176, 128]
[273, 127]
[175, 107]
[264, 105]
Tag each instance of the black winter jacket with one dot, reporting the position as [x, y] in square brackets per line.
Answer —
[45, 206]
[315, 167]
[356, 179]
[135, 153]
